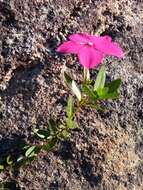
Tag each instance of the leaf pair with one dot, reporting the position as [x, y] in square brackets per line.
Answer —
[31, 151]
[49, 132]
[109, 90]
[88, 90]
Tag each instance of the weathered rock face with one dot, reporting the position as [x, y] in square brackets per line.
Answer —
[106, 152]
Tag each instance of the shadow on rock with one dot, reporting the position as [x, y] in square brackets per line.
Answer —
[23, 82]
[12, 185]
[12, 147]
[82, 164]
[66, 151]
[93, 177]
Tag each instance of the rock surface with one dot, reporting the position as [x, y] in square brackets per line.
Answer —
[106, 152]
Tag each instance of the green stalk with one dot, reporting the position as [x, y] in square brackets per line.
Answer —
[86, 75]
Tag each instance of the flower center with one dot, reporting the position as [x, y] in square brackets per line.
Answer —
[87, 43]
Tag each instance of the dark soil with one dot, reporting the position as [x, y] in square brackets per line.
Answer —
[106, 152]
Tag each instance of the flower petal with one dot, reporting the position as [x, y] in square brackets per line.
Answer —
[113, 49]
[69, 47]
[80, 38]
[89, 57]
[100, 39]
[105, 45]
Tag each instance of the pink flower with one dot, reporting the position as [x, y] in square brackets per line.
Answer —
[90, 49]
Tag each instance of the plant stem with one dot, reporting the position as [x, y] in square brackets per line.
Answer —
[86, 75]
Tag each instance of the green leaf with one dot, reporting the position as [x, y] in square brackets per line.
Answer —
[71, 124]
[43, 134]
[76, 90]
[102, 91]
[50, 144]
[72, 85]
[114, 85]
[92, 94]
[110, 91]
[52, 126]
[9, 160]
[100, 79]
[106, 94]
[20, 158]
[64, 135]
[21, 161]
[68, 79]
[70, 107]
[25, 147]
[31, 151]
[1, 167]
[62, 126]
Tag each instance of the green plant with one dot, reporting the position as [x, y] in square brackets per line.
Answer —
[88, 94]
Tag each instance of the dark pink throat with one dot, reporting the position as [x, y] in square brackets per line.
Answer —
[87, 44]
